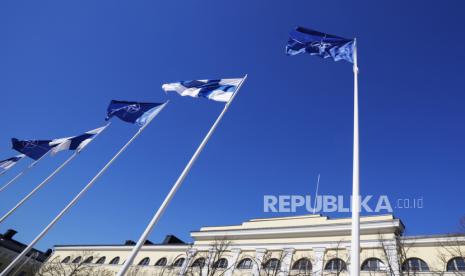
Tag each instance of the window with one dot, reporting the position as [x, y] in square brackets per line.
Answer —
[221, 263]
[272, 264]
[456, 264]
[88, 260]
[245, 264]
[200, 262]
[145, 261]
[336, 265]
[303, 265]
[115, 261]
[101, 260]
[66, 260]
[161, 262]
[373, 264]
[178, 262]
[414, 264]
[77, 260]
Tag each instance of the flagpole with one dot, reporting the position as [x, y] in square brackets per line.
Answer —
[175, 187]
[355, 241]
[316, 193]
[46, 180]
[23, 172]
[72, 202]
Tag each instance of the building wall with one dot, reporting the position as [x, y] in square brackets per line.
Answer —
[319, 239]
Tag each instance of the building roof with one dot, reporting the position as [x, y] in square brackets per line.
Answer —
[7, 241]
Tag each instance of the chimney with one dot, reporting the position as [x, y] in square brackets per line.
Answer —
[130, 242]
[9, 234]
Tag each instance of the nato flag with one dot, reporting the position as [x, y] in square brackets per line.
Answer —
[302, 40]
[34, 149]
[133, 112]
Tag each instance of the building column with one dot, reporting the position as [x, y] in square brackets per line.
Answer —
[208, 261]
[259, 255]
[232, 261]
[349, 263]
[392, 258]
[288, 253]
[319, 256]
[190, 253]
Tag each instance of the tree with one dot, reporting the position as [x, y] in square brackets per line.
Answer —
[211, 263]
[77, 265]
[342, 266]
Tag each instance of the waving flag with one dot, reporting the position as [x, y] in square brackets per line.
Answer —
[76, 142]
[217, 90]
[34, 149]
[134, 112]
[10, 162]
[302, 40]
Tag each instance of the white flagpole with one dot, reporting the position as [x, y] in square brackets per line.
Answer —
[316, 194]
[23, 172]
[175, 187]
[46, 180]
[355, 242]
[73, 201]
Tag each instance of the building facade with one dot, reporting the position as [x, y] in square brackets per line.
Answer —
[300, 245]
[10, 248]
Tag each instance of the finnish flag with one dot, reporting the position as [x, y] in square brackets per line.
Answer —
[76, 143]
[218, 90]
[10, 162]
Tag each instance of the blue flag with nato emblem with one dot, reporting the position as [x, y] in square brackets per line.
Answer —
[302, 40]
[10, 162]
[134, 112]
[34, 149]
[217, 90]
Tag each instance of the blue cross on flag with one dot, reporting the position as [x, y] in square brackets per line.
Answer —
[217, 90]
[10, 162]
[75, 142]
[302, 40]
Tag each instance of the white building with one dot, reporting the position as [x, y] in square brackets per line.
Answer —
[311, 244]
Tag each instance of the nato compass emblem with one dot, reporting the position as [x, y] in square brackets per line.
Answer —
[321, 45]
[30, 144]
[132, 108]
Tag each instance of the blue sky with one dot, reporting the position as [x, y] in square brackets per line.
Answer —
[61, 62]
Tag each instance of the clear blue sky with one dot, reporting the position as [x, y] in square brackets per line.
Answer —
[62, 62]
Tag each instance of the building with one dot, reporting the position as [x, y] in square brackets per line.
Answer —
[298, 245]
[10, 248]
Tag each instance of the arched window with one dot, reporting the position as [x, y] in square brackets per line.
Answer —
[373, 264]
[161, 262]
[101, 260]
[414, 264]
[303, 265]
[77, 260]
[456, 264]
[245, 264]
[145, 261]
[88, 260]
[179, 262]
[66, 260]
[115, 261]
[335, 265]
[221, 263]
[272, 264]
[200, 262]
